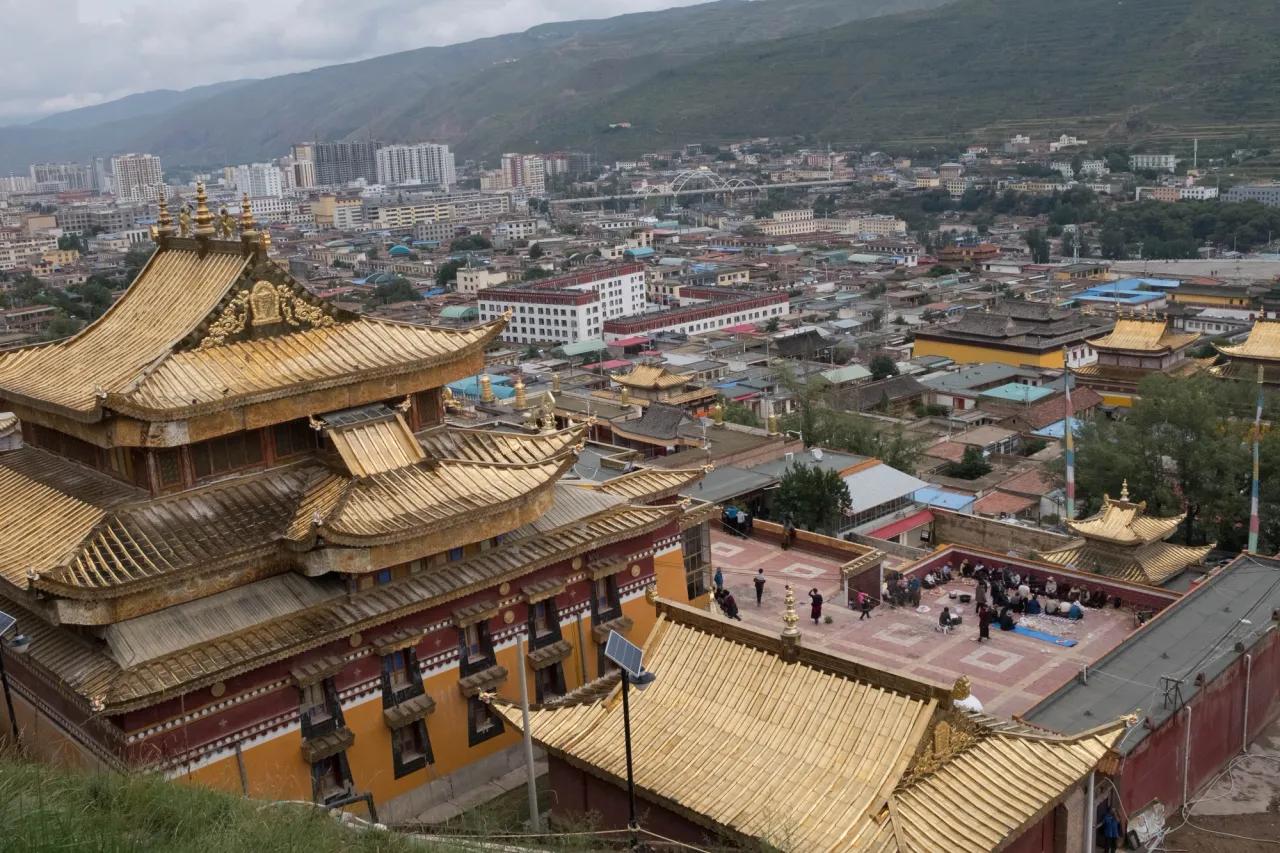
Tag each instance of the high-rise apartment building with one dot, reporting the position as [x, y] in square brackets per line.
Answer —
[420, 163]
[136, 177]
[67, 176]
[339, 163]
[259, 180]
[525, 170]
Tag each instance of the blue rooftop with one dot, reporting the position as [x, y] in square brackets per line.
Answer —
[953, 501]
[1058, 429]
[638, 252]
[1128, 291]
[1016, 392]
[470, 387]
[399, 251]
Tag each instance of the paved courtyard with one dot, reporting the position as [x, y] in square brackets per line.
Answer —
[1009, 674]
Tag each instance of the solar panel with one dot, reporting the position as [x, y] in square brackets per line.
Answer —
[6, 622]
[624, 653]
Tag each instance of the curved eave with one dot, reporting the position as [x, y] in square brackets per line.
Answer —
[408, 526]
[123, 404]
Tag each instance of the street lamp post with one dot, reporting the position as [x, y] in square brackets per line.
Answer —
[19, 644]
[629, 659]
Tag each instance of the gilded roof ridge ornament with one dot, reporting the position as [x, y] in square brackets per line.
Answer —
[184, 220]
[164, 222]
[203, 219]
[226, 226]
[789, 616]
[1124, 490]
[248, 225]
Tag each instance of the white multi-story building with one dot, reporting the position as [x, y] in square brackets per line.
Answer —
[66, 176]
[137, 177]
[423, 163]
[456, 206]
[472, 281]
[19, 251]
[1154, 162]
[566, 308]
[259, 180]
[525, 170]
[16, 184]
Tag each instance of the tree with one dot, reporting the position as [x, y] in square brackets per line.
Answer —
[813, 498]
[771, 325]
[971, 466]
[72, 241]
[536, 251]
[1038, 245]
[397, 290]
[535, 273]
[447, 272]
[737, 413]
[882, 367]
[940, 270]
[1112, 242]
[470, 243]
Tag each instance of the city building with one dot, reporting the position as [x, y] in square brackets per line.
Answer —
[472, 280]
[1015, 333]
[1268, 194]
[341, 163]
[259, 180]
[703, 309]
[420, 163]
[437, 208]
[295, 582]
[136, 177]
[1153, 162]
[566, 308]
[64, 177]
[525, 170]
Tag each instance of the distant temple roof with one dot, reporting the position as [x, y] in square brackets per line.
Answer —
[651, 378]
[1143, 334]
[1123, 542]
[1263, 343]
[727, 711]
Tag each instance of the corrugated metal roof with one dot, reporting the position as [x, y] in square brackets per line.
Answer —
[879, 484]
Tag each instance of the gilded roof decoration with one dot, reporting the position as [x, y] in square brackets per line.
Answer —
[376, 446]
[647, 484]
[1123, 522]
[724, 715]
[1152, 564]
[262, 305]
[1262, 344]
[497, 446]
[651, 378]
[1144, 334]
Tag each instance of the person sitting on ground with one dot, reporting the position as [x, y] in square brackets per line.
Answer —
[1051, 587]
[930, 581]
[1006, 620]
[1051, 606]
[1075, 611]
[998, 597]
[966, 570]
[946, 573]
[1024, 591]
[944, 620]
[1033, 606]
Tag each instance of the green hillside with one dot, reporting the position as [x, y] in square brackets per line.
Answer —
[1121, 68]
[477, 95]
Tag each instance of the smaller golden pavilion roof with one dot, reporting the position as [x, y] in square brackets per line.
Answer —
[372, 440]
[1123, 522]
[1143, 334]
[1152, 564]
[652, 378]
[1262, 344]
[733, 736]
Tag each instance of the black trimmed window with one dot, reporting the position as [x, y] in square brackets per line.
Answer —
[331, 778]
[411, 748]
[548, 682]
[401, 678]
[696, 548]
[483, 723]
[477, 648]
[605, 604]
[319, 709]
[168, 468]
[544, 623]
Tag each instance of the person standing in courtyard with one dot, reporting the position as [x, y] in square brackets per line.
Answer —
[718, 579]
[815, 605]
[984, 622]
[864, 604]
[758, 580]
[1109, 829]
[729, 605]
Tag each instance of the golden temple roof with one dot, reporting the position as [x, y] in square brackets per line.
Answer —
[497, 446]
[1263, 342]
[1144, 334]
[824, 754]
[376, 444]
[651, 378]
[193, 334]
[1122, 522]
[647, 484]
[1152, 564]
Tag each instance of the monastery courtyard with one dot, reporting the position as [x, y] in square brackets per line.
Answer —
[1010, 674]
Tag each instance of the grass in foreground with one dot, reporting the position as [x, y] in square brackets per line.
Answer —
[42, 809]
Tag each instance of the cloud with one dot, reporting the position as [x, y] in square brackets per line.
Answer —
[63, 54]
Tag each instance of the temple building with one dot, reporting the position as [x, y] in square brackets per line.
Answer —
[645, 384]
[1014, 333]
[1136, 348]
[750, 739]
[1260, 350]
[250, 550]
[1121, 541]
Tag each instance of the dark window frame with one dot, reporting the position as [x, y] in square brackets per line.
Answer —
[696, 564]
[393, 694]
[215, 455]
[401, 765]
[293, 438]
[331, 704]
[553, 634]
[337, 768]
[475, 708]
[555, 673]
[485, 657]
[612, 596]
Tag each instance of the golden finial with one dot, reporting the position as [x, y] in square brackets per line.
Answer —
[1124, 490]
[625, 397]
[651, 593]
[961, 690]
[555, 382]
[448, 399]
[486, 389]
[789, 616]
[773, 425]
[184, 220]
[164, 222]
[717, 412]
[521, 401]
[204, 219]
[247, 223]
[264, 240]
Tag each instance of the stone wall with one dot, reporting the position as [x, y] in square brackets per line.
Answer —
[953, 528]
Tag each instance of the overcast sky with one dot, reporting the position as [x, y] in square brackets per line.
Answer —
[63, 54]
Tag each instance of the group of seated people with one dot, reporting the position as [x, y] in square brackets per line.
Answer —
[1005, 587]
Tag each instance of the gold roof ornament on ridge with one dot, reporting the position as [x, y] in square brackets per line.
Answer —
[204, 218]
